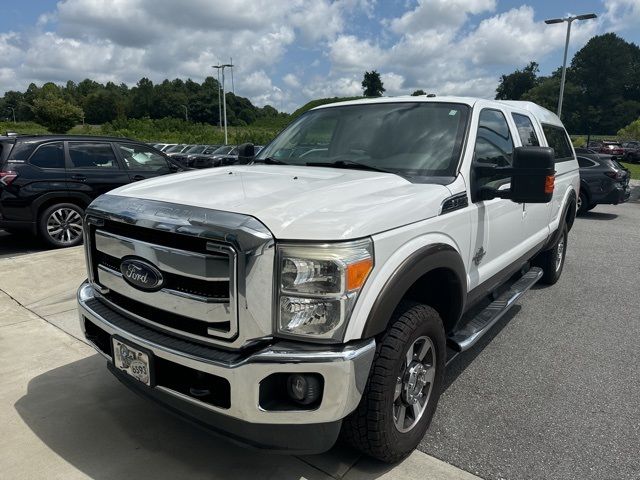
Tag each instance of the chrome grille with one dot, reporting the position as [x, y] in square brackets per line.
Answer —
[217, 268]
[198, 298]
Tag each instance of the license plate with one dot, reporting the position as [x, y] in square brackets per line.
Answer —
[132, 360]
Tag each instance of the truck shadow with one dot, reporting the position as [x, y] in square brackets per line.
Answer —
[463, 360]
[95, 424]
[598, 216]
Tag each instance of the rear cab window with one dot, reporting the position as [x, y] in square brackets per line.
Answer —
[558, 139]
[526, 132]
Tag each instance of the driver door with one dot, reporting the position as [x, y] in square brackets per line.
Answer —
[497, 224]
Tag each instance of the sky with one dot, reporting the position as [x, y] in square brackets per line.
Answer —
[287, 52]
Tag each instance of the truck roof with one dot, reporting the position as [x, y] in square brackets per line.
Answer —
[542, 114]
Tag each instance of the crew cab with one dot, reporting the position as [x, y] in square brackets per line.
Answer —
[321, 287]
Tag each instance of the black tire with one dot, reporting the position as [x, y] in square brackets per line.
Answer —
[548, 260]
[371, 428]
[67, 215]
[583, 203]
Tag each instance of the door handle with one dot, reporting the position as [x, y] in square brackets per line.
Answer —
[137, 178]
[80, 178]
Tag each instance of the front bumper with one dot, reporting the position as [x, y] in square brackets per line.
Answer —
[344, 368]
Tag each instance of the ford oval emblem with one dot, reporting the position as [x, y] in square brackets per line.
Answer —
[141, 274]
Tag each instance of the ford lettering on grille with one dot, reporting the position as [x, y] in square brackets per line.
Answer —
[141, 274]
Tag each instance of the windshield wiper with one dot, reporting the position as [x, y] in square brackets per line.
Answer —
[349, 164]
[271, 161]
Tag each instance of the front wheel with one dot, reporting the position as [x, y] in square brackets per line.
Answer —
[404, 386]
[60, 225]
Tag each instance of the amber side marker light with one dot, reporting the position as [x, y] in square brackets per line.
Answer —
[357, 273]
[549, 183]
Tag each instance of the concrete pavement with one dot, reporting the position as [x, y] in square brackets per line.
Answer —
[64, 416]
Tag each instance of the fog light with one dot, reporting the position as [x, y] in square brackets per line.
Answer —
[304, 389]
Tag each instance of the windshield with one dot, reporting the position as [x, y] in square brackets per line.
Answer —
[224, 149]
[175, 148]
[408, 138]
[196, 149]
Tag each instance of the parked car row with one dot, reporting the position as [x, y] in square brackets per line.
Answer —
[624, 151]
[201, 156]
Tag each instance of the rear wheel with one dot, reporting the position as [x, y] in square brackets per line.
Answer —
[60, 225]
[404, 386]
[552, 261]
[583, 204]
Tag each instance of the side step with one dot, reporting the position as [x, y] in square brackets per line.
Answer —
[471, 332]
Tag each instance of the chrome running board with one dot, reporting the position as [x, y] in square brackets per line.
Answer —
[472, 331]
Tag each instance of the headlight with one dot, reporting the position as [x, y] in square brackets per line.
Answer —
[318, 286]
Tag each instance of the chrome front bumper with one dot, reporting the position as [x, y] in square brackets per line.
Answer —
[345, 369]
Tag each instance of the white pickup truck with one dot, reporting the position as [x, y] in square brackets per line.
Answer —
[322, 286]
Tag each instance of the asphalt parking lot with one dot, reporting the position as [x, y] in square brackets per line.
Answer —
[552, 392]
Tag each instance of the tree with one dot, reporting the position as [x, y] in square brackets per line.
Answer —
[516, 84]
[372, 84]
[56, 114]
[102, 106]
[418, 92]
[631, 131]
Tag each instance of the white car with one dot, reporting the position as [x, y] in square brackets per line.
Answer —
[321, 288]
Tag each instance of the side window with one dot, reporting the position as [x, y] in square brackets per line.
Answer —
[493, 143]
[49, 155]
[558, 140]
[526, 131]
[92, 155]
[585, 162]
[138, 157]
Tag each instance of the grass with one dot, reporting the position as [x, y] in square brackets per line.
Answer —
[634, 168]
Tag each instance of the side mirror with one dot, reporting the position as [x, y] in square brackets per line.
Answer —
[532, 176]
[246, 152]
[532, 179]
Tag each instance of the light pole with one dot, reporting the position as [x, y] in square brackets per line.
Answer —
[186, 116]
[569, 20]
[224, 98]
[14, 114]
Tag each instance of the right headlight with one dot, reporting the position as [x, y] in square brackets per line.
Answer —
[318, 285]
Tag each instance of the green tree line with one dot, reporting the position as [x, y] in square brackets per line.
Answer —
[59, 107]
[602, 89]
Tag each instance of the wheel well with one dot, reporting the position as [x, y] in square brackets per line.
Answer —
[570, 216]
[440, 289]
[52, 201]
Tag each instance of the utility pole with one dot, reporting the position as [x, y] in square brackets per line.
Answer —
[224, 98]
[186, 115]
[569, 21]
[14, 114]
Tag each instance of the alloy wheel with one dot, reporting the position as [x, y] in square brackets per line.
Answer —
[64, 225]
[414, 385]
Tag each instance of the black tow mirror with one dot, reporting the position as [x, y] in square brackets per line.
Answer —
[533, 180]
[532, 176]
[246, 152]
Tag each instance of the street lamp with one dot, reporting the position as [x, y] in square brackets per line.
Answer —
[186, 117]
[14, 114]
[569, 20]
[224, 98]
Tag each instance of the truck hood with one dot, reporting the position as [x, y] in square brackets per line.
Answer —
[311, 203]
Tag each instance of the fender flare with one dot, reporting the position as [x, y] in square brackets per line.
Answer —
[566, 216]
[415, 266]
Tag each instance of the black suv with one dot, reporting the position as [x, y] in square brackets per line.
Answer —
[602, 180]
[47, 181]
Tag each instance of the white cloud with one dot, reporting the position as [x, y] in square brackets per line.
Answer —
[289, 51]
[622, 14]
[439, 15]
